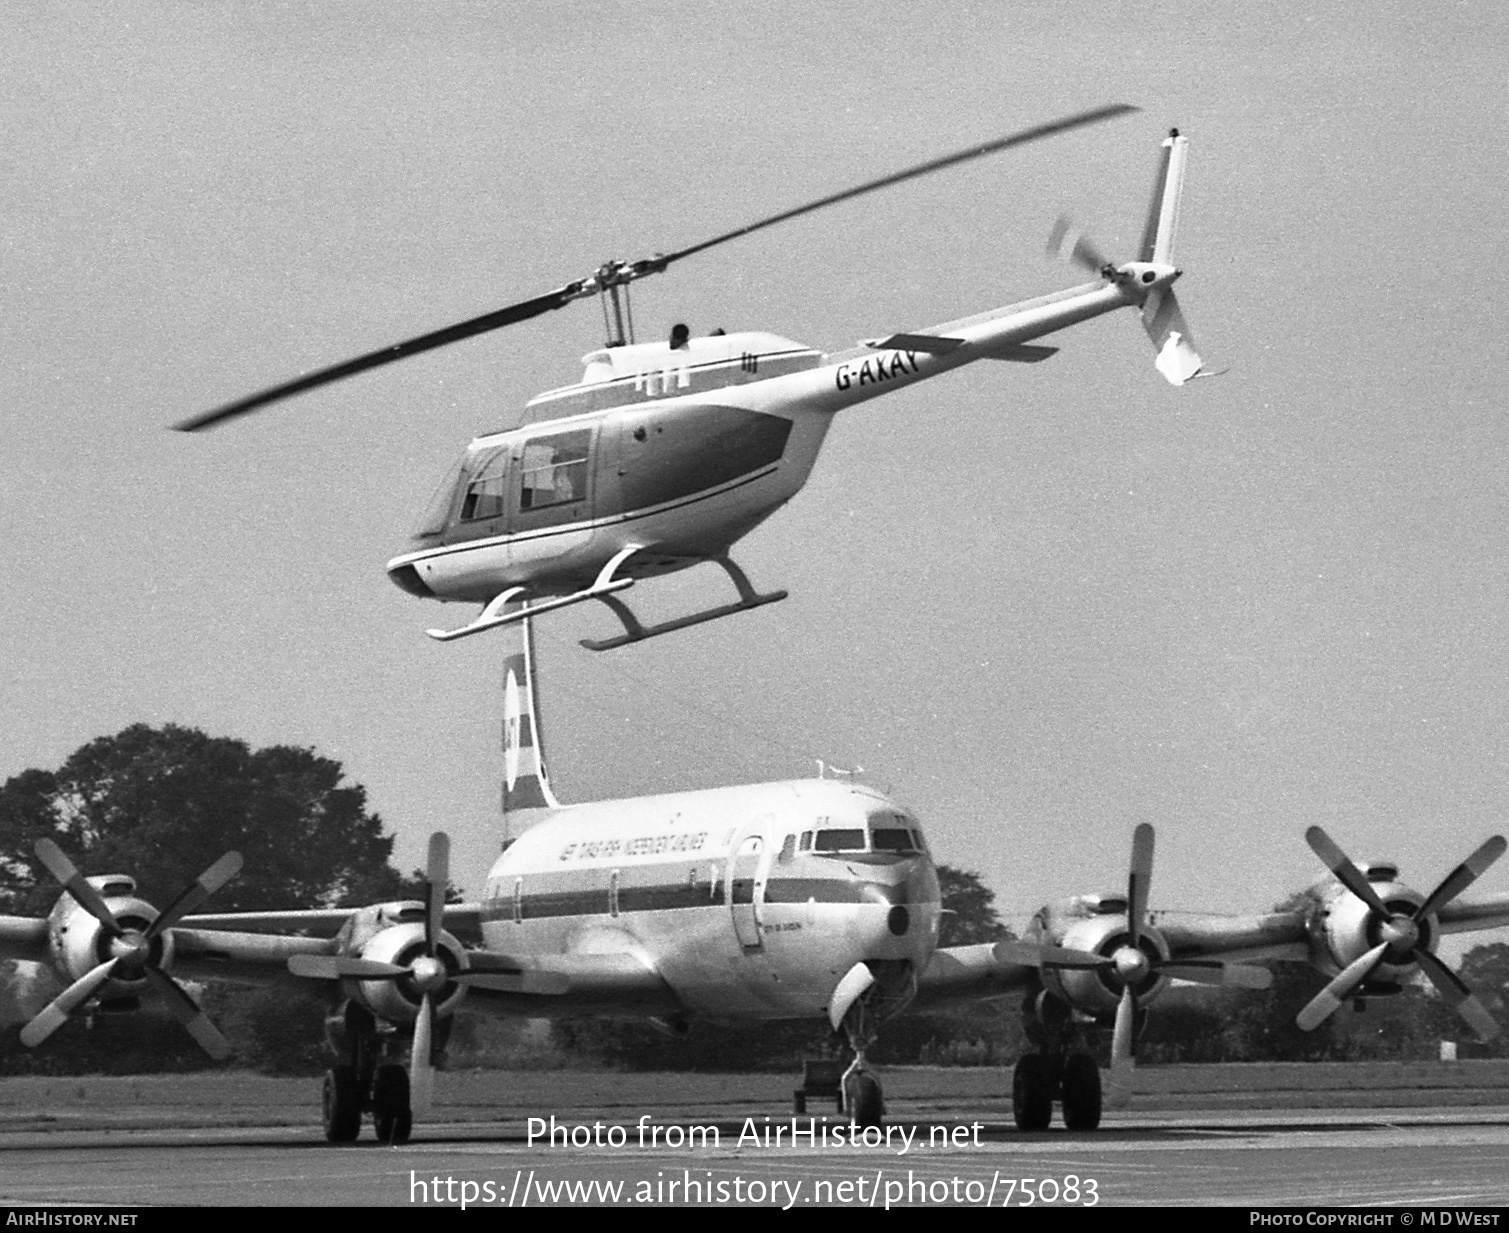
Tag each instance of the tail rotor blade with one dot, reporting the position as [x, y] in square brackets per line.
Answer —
[1325, 1003]
[74, 882]
[56, 1012]
[1068, 243]
[421, 1068]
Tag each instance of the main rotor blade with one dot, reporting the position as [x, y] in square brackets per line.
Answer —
[1458, 996]
[196, 892]
[76, 884]
[183, 1008]
[1325, 1003]
[511, 315]
[1463, 876]
[615, 273]
[1036, 133]
[1138, 880]
[1346, 873]
[55, 1013]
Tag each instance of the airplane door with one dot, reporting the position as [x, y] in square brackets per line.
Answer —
[748, 870]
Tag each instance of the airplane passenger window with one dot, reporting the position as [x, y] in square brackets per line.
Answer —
[554, 470]
[840, 841]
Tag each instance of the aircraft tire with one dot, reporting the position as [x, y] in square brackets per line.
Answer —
[390, 1104]
[864, 1099]
[1081, 1096]
[1032, 1093]
[342, 1105]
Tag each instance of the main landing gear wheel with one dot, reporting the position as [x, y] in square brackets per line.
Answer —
[863, 1100]
[1080, 1095]
[391, 1114]
[342, 1105]
[1032, 1093]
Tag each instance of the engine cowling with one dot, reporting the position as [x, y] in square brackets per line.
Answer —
[78, 942]
[1097, 991]
[397, 1000]
[1346, 929]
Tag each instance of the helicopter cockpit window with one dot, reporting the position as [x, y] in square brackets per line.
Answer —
[437, 513]
[486, 493]
[554, 470]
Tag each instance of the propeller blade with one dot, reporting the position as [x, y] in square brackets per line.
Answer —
[421, 1068]
[1463, 876]
[1121, 1033]
[546, 984]
[1068, 243]
[1177, 360]
[1139, 878]
[74, 882]
[343, 967]
[614, 273]
[1458, 996]
[183, 1008]
[1031, 954]
[196, 892]
[1223, 975]
[1325, 1003]
[438, 874]
[1346, 873]
[53, 1015]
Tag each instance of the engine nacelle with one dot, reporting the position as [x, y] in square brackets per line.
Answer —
[77, 943]
[1345, 929]
[397, 1000]
[1097, 991]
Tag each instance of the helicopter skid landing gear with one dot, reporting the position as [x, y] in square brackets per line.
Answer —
[496, 613]
[635, 631]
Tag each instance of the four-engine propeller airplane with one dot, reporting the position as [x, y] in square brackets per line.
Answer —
[666, 454]
[783, 901]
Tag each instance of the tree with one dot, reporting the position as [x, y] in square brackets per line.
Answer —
[161, 804]
[969, 909]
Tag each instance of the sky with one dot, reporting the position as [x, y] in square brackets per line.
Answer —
[1040, 604]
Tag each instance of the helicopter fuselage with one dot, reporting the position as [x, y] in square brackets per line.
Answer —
[678, 453]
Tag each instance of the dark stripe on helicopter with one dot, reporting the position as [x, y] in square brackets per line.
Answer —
[586, 525]
[663, 458]
[670, 896]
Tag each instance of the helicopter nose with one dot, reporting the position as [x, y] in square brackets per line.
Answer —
[407, 578]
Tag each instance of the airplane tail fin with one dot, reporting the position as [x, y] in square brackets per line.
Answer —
[526, 782]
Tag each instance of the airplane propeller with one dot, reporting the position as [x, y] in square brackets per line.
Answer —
[1130, 965]
[1401, 939]
[614, 274]
[131, 951]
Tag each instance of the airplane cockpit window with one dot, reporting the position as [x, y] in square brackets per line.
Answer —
[486, 492]
[890, 832]
[841, 840]
[437, 513]
[555, 470]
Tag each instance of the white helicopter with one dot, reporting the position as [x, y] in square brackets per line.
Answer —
[665, 454]
[801, 900]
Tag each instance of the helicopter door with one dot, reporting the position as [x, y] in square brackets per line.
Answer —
[747, 873]
[551, 479]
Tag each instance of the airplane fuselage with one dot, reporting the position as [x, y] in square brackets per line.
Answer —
[749, 902]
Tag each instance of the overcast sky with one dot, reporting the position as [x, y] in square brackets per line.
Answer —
[1040, 604]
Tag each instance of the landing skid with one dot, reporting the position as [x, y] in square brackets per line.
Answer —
[636, 631]
[496, 613]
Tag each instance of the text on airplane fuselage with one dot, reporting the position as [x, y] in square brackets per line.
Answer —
[875, 368]
[651, 845]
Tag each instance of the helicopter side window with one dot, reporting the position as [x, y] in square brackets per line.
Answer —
[486, 493]
[554, 471]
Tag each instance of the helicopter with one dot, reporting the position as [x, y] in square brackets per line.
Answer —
[666, 453]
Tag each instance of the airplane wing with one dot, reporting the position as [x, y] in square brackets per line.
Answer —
[23, 937]
[967, 974]
[1460, 917]
[1234, 939]
[317, 922]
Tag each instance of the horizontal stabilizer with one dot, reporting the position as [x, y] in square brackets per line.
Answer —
[932, 344]
[1023, 353]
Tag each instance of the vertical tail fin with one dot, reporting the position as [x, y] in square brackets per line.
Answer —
[1163, 215]
[526, 783]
